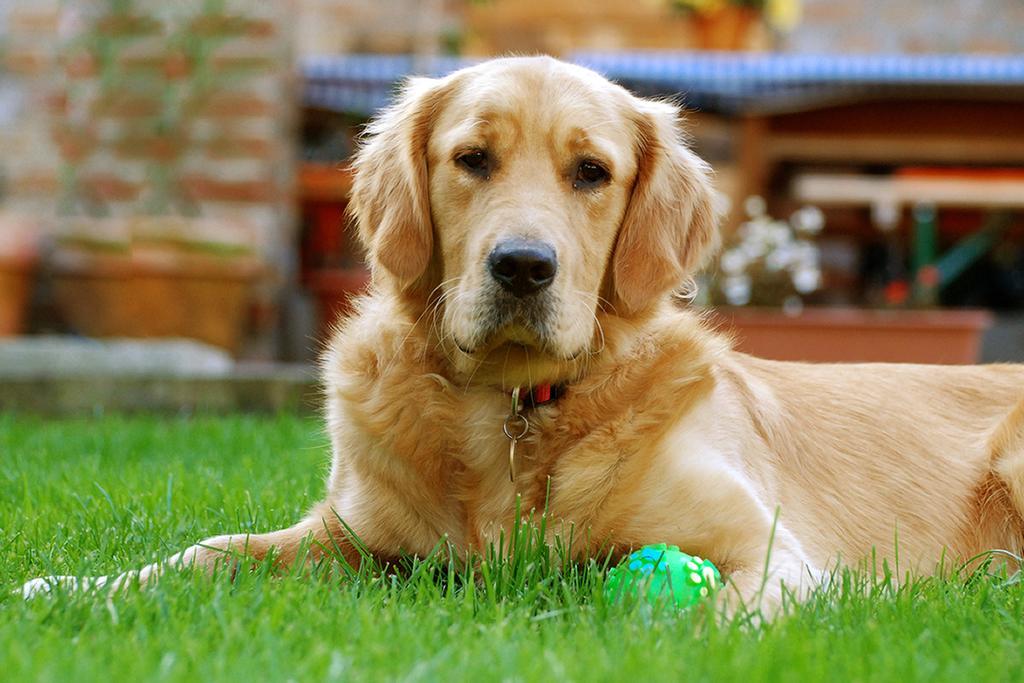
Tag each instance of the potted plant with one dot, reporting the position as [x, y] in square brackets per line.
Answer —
[727, 24]
[155, 276]
[18, 252]
[769, 268]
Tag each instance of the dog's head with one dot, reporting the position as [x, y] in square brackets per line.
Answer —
[522, 199]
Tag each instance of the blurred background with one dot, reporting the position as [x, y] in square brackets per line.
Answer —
[173, 178]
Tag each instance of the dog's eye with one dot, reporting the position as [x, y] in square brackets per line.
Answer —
[476, 162]
[590, 174]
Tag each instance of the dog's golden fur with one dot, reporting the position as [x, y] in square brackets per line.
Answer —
[665, 433]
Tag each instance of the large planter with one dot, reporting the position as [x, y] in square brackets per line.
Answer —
[334, 289]
[858, 335]
[16, 275]
[18, 254]
[725, 28]
[198, 297]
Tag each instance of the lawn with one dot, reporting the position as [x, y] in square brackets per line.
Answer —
[95, 496]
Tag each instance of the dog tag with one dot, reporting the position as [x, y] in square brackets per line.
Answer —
[512, 460]
[515, 428]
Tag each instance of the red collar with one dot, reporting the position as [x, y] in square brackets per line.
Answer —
[542, 394]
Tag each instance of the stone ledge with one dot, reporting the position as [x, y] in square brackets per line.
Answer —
[85, 395]
[60, 376]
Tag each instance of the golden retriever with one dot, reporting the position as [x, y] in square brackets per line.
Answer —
[526, 223]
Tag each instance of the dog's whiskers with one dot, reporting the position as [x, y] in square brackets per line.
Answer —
[606, 305]
[504, 366]
[472, 374]
[529, 370]
[592, 307]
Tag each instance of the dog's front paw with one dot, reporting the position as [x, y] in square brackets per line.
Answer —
[41, 586]
[46, 584]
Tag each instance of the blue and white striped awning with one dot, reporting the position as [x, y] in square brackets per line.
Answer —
[362, 84]
[724, 81]
[755, 81]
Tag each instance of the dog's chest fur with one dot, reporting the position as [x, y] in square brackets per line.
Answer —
[439, 453]
[592, 477]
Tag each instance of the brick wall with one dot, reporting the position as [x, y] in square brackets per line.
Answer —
[29, 97]
[389, 26]
[885, 26]
[174, 111]
[157, 109]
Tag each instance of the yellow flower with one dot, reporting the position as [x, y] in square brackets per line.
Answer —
[783, 14]
[701, 6]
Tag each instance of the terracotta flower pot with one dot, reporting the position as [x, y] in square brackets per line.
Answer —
[15, 287]
[18, 255]
[726, 28]
[196, 297]
[857, 335]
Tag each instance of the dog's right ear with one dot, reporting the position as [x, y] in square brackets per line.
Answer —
[390, 200]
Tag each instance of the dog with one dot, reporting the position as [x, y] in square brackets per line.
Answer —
[526, 223]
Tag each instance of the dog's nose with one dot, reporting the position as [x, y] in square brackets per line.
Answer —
[523, 267]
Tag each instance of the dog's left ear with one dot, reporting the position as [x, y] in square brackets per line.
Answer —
[671, 223]
[390, 200]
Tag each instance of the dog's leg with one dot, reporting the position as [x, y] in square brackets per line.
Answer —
[762, 588]
[320, 533]
[771, 567]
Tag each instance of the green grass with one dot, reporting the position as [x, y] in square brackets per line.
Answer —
[97, 496]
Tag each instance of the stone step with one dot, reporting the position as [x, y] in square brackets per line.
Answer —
[70, 376]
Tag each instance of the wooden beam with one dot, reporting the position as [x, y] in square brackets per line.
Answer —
[843, 189]
[891, 150]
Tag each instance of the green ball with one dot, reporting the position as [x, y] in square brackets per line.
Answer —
[667, 573]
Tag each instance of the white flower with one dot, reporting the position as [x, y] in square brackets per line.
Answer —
[779, 232]
[754, 206]
[733, 262]
[806, 253]
[753, 249]
[779, 259]
[737, 290]
[758, 226]
[806, 280]
[809, 220]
